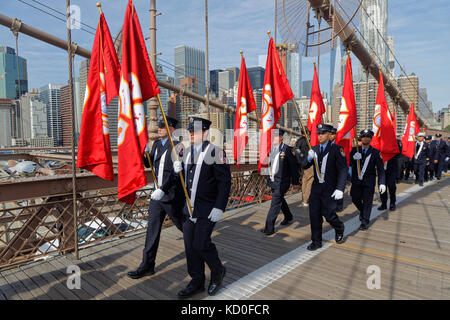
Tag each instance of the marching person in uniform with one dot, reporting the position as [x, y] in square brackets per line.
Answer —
[429, 168]
[421, 153]
[208, 182]
[164, 200]
[364, 177]
[438, 154]
[340, 202]
[283, 171]
[328, 185]
[391, 174]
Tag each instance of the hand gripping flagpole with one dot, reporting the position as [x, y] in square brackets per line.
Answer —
[176, 155]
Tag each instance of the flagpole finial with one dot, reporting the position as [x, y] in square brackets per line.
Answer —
[242, 53]
[99, 6]
[268, 33]
[348, 53]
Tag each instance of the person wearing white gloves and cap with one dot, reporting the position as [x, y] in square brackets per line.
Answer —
[366, 164]
[330, 174]
[208, 183]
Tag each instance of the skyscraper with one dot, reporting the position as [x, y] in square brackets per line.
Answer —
[34, 115]
[51, 95]
[373, 32]
[165, 93]
[391, 57]
[226, 81]
[66, 115]
[190, 62]
[188, 106]
[256, 76]
[84, 70]
[9, 84]
[337, 68]
[5, 122]
[214, 82]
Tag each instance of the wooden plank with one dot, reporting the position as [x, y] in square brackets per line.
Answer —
[7, 289]
[30, 285]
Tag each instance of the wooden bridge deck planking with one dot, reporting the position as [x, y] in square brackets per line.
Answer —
[411, 246]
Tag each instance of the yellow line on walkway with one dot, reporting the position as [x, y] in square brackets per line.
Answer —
[369, 251]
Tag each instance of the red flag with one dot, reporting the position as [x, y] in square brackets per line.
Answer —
[316, 109]
[347, 115]
[276, 92]
[94, 149]
[246, 103]
[137, 84]
[384, 138]
[411, 130]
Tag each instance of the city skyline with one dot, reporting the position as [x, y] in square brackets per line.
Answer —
[250, 37]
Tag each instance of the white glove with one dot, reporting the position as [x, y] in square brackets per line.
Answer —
[215, 215]
[357, 156]
[382, 188]
[177, 167]
[337, 194]
[194, 220]
[158, 194]
[311, 154]
[446, 159]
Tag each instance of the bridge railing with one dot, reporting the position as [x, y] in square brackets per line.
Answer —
[37, 219]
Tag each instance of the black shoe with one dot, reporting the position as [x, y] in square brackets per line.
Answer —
[267, 232]
[339, 237]
[421, 184]
[190, 290]
[382, 207]
[438, 178]
[313, 246]
[215, 285]
[139, 273]
[392, 207]
[339, 209]
[363, 227]
[286, 222]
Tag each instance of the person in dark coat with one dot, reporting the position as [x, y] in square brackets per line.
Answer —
[419, 160]
[364, 177]
[283, 172]
[328, 186]
[166, 200]
[438, 154]
[391, 173]
[208, 182]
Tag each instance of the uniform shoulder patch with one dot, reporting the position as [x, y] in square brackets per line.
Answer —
[223, 157]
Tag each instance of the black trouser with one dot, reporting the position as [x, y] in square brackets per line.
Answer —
[156, 214]
[278, 203]
[362, 197]
[409, 167]
[199, 249]
[419, 171]
[322, 205]
[391, 188]
[439, 167]
[340, 204]
[429, 172]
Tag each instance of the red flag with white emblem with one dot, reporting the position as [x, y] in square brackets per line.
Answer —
[384, 138]
[276, 92]
[411, 130]
[245, 104]
[347, 115]
[316, 109]
[137, 84]
[94, 149]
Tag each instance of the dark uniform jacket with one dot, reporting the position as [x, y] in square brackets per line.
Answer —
[335, 173]
[173, 191]
[301, 150]
[214, 182]
[424, 154]
[374, 167]
[438, 152]
[287, 172]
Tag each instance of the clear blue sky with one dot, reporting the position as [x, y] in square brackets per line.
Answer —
[421, 30]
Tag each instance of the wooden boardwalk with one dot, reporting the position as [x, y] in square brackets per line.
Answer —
[411, 247]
